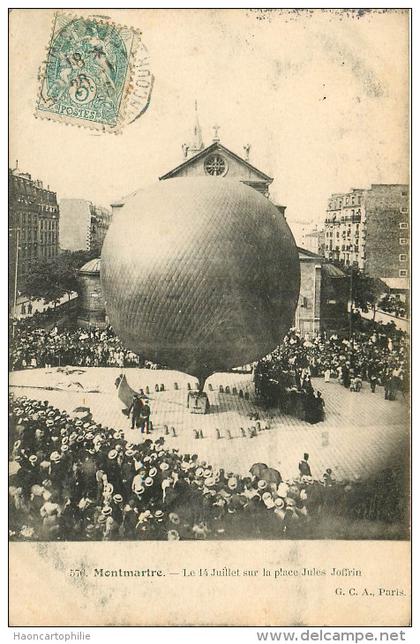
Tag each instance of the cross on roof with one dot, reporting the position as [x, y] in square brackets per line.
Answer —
[216, 129]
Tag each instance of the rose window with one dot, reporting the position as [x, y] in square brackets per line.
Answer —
[215, 165]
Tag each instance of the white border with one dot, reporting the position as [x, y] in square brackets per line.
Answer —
[185, 635]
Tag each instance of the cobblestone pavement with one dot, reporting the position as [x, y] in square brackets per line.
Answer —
[362, 431]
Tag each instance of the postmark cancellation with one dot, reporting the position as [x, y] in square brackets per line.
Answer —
[96, 74]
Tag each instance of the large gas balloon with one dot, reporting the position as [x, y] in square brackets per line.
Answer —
[200, 274]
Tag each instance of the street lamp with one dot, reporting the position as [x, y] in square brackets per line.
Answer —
[15, 292]
[351, 293]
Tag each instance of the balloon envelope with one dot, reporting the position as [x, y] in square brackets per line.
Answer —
[200, 274]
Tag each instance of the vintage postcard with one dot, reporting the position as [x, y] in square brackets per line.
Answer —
[209, 317]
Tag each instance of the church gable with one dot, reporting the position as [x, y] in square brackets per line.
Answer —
[216, 160]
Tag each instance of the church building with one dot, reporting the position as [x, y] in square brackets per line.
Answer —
[216, 160]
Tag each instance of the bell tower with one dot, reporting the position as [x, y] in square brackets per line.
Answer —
[196, 145]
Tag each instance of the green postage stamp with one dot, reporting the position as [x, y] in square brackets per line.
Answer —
[96, 74]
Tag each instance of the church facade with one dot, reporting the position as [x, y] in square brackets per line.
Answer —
[217, 161]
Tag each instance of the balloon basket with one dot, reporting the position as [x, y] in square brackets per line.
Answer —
[198, 402]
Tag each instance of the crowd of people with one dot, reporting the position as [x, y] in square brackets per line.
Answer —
[393, 305]
[289, 388]
[73, 479]
[34, 347]
[284, 377]
[379, 357]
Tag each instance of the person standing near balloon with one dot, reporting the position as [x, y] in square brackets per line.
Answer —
[304, 467]
[144, 421]
[135, 411]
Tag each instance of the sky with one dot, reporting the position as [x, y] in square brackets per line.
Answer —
[320, 95]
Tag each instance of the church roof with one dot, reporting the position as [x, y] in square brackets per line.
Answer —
[328, 268]
[303, 252]
[216, 145]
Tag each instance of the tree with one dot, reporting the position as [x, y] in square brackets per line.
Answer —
[365, 290]
[51, 279]
[41, 282]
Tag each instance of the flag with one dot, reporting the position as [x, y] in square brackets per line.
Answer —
[125, 393]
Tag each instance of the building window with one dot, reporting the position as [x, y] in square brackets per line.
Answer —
[404, 210]
[215, 165]
[404, 193]
[403, 272]
[403, 225]
[403, 241]
[403, 257]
